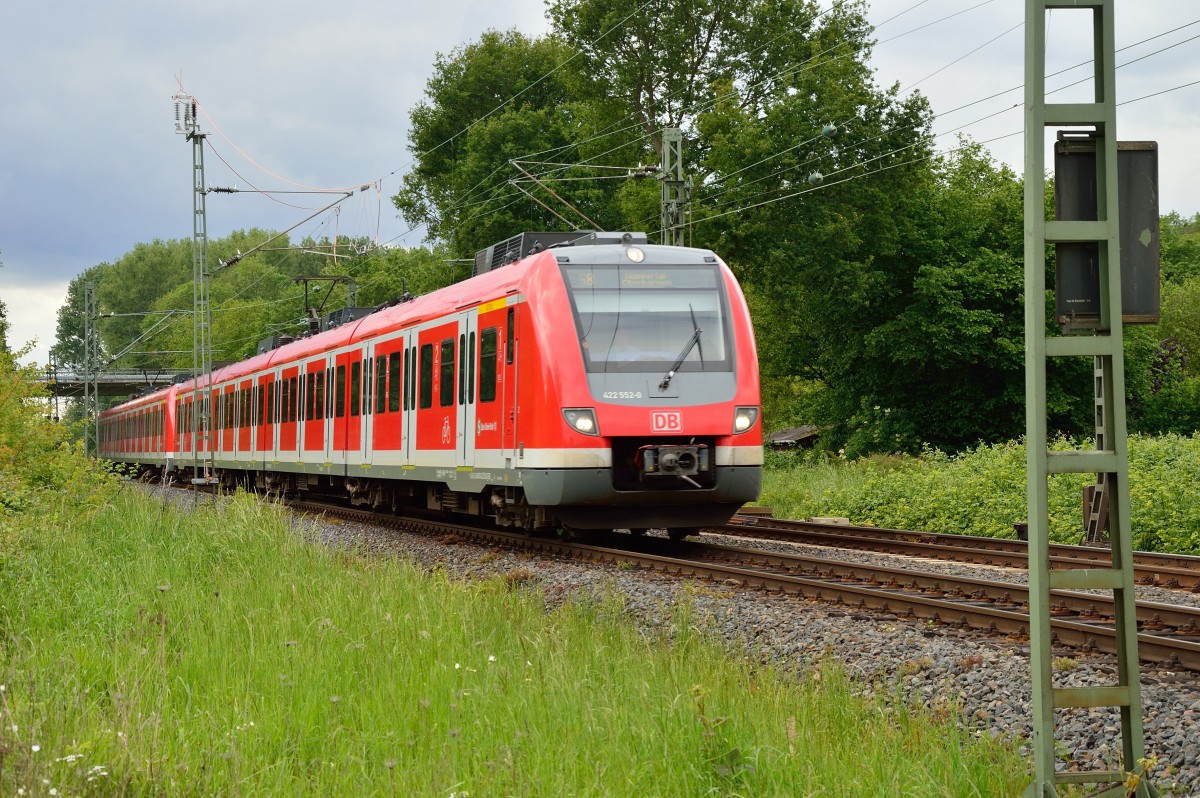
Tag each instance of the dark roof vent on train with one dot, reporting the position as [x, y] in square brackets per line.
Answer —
[274, 342]
[519, 246]
[522, 245]
[343, 316]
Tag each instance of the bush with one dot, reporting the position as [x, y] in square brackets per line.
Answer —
[982, 491]
[42, 474]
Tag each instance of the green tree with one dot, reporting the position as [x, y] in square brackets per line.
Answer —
[504, 97]
[1180, 320]
[1179, 247]
[387, 274]
[70, 334]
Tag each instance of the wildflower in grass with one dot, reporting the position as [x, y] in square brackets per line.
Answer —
[491, 658]
[36, 747]
[457, 666]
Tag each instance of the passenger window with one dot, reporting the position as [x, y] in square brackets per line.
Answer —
[381, 384]
[366, 386]
[292, 400]
[407, 378]
[471, 373]
[355, 377]
[393, 383]
[329, 393]
[462, 370]
[427, 376]
[339, 401]
[319, 400]
[511, 338]
[446, 384]
[487, 365]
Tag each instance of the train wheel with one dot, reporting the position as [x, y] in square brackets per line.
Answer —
[682, 532]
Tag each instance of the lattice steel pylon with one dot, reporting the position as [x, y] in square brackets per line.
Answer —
[1110, 457]
[187, 124]
[91, 371]
[675, 191]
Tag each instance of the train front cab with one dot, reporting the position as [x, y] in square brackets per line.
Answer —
[649, 354]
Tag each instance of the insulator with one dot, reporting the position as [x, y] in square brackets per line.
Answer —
[176, 110]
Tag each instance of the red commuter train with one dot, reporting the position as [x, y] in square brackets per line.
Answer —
[602, 383]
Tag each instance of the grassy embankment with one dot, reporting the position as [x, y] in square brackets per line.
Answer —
[147, 651]
[982, 492]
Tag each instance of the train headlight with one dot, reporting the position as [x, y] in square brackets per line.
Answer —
[581, 419]
[744, 418]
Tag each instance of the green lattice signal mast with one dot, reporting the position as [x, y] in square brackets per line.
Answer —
[1102, 342]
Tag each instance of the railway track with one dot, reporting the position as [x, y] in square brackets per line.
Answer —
[1169, 635]
[1170, 571]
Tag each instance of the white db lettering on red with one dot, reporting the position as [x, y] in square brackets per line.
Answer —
[666, 421]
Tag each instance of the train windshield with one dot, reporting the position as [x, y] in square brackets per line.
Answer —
[642, 318]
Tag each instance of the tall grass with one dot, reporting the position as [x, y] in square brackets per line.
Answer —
[982, 492]
[147, 651]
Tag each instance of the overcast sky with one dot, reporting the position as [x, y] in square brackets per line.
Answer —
[319, 94]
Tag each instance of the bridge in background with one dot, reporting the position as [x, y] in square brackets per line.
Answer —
[69, 384]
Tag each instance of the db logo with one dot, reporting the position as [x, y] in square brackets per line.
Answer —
[666, 421]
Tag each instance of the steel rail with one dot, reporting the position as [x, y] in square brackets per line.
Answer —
[1173, 571]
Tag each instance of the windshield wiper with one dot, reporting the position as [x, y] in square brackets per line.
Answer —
[687, 350]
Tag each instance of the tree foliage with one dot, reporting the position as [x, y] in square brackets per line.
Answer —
[145, 297]
[504, 97]
[42, 474]
[1179, 244]
[885, 279]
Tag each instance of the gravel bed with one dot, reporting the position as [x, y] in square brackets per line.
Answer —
[983, 681]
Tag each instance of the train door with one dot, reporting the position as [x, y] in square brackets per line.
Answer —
[314, 407]
[227, 427]
[408, 389]
[330, 421]
[188, 434]
[365, 406]
[242, 447]
[465, 444]
[288, 386]
[347, 405]
[437, 416]
[386, 416]
[507, 368]
[263, 416]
